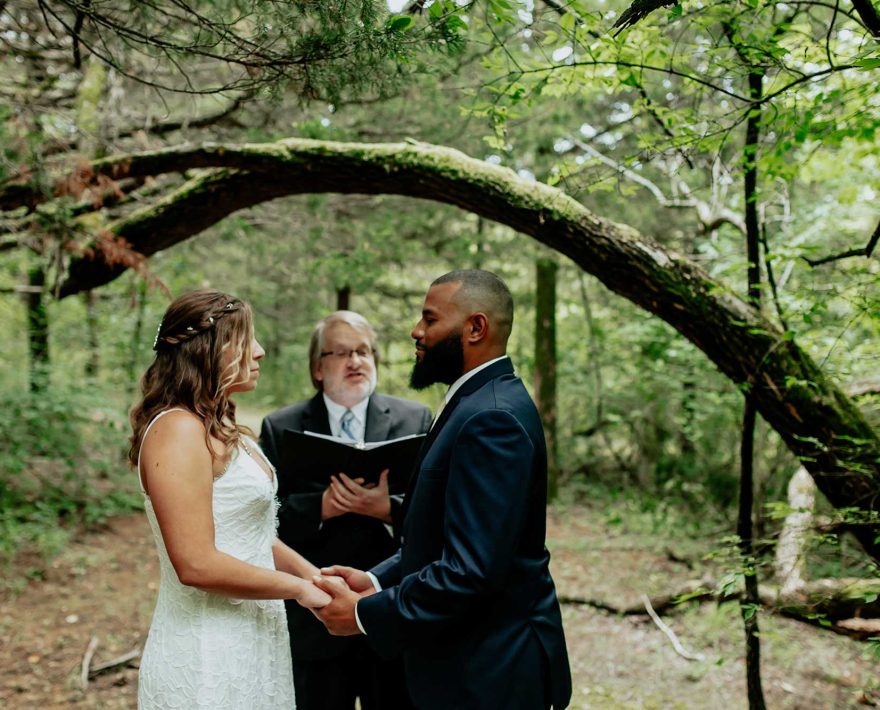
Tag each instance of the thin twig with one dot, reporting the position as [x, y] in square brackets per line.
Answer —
[670, 634]
[122, 660]
[86, 662]
[866, 251]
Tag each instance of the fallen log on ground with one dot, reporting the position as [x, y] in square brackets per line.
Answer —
[845, 606]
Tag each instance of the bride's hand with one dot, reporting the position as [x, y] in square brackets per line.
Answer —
[311, 597]
[357, 580]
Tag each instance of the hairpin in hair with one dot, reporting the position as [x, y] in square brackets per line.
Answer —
[156, 339]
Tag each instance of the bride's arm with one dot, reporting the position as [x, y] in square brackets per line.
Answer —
[289, 560]
[177, 472]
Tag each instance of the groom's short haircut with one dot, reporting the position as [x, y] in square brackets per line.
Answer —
[483, 291]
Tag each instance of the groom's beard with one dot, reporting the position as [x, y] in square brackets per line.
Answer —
[444, 362]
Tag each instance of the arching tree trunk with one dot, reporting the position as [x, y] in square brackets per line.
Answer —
[815, 419]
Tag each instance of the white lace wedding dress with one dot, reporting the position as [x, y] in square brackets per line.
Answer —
[209, 651]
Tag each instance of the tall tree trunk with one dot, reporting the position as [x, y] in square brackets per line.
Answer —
[480, 243]
[93, 360]
[134, 348]
[791, 548]
[343, 298]
[38, 329]
[545, 363]
[750, 602]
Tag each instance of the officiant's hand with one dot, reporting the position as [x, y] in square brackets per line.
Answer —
[338, 616]
[330, 506]
[353, 497]
[357, 580]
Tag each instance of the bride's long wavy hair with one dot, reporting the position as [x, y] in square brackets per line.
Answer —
[203, 347]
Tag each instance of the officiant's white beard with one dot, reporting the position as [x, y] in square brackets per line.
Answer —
[349, 394]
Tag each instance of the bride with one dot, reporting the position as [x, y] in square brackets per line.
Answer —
[218, 638]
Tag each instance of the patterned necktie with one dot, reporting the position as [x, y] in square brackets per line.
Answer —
[346, 422]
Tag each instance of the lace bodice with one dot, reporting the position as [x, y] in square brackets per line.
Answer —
[209, 651]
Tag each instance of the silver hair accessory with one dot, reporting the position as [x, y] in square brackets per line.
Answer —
[158, 330]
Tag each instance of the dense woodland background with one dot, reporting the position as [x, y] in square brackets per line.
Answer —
[738, 135]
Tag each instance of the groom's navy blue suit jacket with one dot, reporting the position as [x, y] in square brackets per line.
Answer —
[468, 599]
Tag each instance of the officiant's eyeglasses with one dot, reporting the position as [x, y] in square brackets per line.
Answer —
[362, 352]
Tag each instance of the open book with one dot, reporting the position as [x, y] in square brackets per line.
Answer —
[319, 456]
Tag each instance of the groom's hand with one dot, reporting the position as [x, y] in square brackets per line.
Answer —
[356, 580]
[338, 616]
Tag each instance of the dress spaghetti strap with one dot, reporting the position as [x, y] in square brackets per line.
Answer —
[144, 438]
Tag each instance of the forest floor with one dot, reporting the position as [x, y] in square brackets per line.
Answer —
[104, 584]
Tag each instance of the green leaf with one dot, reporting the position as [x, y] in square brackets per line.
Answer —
[868, 64]
[399, 23]
[630, 80]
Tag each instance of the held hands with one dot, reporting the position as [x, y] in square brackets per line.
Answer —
[339, 615]
[349, 495]
[311, 597]
[356, 580]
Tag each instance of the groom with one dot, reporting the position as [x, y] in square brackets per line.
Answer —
[468, 599]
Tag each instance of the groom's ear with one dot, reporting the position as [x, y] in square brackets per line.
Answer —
[476, 328]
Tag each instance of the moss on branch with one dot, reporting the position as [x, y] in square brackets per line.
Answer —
[818, 422]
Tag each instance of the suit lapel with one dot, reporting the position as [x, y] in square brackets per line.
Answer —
[502, 367]
[315, 417]
[378, 421]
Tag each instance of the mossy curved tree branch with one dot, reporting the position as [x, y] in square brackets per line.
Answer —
[817, 421]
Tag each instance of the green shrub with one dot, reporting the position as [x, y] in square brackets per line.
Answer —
[62, 467]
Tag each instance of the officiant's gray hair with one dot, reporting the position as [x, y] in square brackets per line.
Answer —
[316, 344]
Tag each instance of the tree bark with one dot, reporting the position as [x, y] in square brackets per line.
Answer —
[834, 604]
[92, 340]
[140, 305]
[834, 599]
[750, 603]
[343, 298]
[791, 548]
[38, 330]
[815, 419]
[545, 364]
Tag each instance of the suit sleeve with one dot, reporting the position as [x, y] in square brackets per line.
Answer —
[388, 571]
[487, 496]
[299, 515]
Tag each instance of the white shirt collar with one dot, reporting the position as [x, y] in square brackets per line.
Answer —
[455, 386]
[336, 410]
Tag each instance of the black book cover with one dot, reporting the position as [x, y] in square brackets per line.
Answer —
[319, 456]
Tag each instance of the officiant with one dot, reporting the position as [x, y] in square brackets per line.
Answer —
[343, 521]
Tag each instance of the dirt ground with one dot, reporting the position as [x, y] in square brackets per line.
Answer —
[103, 587]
